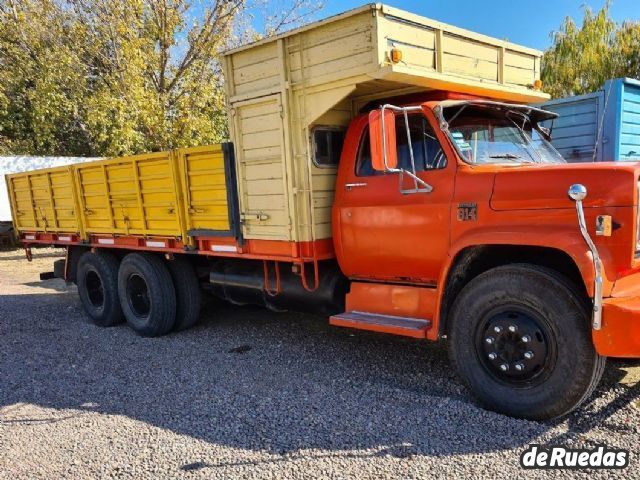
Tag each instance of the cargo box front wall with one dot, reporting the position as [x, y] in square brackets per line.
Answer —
[275, 94]
[209, 190]
[44, 201]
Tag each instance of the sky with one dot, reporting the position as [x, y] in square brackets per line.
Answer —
[527, 22]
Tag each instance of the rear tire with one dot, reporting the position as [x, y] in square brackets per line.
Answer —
[147, 295]
[188, 295]
[521, 341]
[97, 280]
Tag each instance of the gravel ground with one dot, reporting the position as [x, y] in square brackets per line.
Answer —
[254, 394]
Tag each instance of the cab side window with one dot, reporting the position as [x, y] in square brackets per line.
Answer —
[327, 145]
[427, 153]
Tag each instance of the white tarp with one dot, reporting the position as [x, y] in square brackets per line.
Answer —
[23, 164]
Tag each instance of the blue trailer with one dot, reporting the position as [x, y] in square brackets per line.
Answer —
[599, 126]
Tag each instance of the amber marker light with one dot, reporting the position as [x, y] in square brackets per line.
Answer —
[396, 55]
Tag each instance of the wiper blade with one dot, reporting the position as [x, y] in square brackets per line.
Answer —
[506, 155]
[511, 156]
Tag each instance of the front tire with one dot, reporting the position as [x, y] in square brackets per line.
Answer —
[147, 295]
[521, 342]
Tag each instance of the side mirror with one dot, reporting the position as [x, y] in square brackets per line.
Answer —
[382, 138]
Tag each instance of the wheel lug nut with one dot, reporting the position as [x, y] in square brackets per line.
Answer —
[512, 328]
[526, 339]
[497, 329]
[519, 367]
[504, 367]
[528, 355]
[493, 356]
[489, 340]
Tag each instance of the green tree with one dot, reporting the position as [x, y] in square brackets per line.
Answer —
[583, 57]
[628, 50]
[114, 77]
[157, 84]
[43, 79]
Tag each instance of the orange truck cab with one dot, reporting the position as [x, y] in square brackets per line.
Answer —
[446, 214]
[465, 223]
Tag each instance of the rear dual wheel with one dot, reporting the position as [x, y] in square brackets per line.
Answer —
[521, 341]
[188, 294]
[153, 296]
[147, 294]
[97, 280]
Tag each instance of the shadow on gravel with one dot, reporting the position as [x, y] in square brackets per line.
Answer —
[596, 413]
[56, 284]
[253, 379]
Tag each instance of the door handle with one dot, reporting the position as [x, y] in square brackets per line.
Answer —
[351, 186]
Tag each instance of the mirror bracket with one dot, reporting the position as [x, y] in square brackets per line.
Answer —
[423, 188]
[381, 147]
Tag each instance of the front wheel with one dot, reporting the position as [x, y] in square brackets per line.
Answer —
[521, 341]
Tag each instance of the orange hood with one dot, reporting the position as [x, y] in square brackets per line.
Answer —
[531, 187]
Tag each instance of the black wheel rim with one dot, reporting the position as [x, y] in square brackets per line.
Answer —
[138, 295]
[516, 347]
[95, 289]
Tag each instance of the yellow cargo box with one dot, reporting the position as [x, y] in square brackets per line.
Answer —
[180, 194]
[291, 96]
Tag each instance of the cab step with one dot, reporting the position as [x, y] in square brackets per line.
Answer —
[407, 327]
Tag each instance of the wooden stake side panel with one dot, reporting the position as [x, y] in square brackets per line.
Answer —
[44, 200]
[163, 194]
[429, 46]
[130, 195]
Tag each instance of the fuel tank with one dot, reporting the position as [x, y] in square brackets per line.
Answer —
[243, 282]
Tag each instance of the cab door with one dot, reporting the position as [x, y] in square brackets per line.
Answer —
[382, 233]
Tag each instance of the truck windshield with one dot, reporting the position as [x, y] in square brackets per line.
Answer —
[485, 134]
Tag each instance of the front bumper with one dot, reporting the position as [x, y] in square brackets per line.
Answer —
[620, 332]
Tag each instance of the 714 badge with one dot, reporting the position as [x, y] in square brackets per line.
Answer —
[467, 212]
